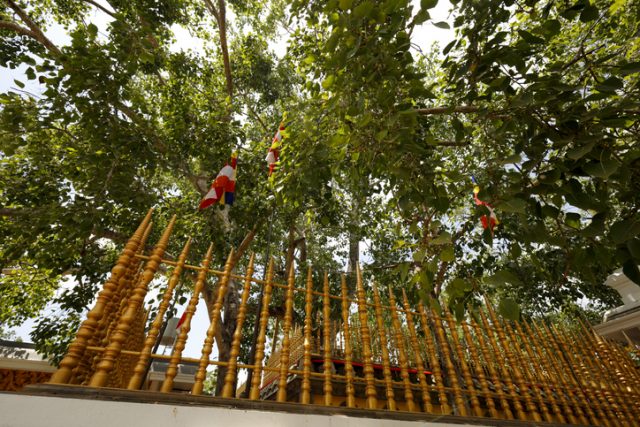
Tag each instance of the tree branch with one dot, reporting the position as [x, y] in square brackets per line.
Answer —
[102, 8]
[448, 110]
[37, 33]
[18, 29]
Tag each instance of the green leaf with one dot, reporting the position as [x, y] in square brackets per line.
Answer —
[501, 277]
[621, 231]
[589, 13]
[418, 256]
[579, 152]
[572, 219]
[442, 239]
[530, 38]
[447, 254]
[18, 83]
[328, 82]
[428, 4]
[363, 10]
[630, 269]
[630, 68]
[345, 4]
[634, 248]
[509, 309]
[442, 24]
[514, 205]
[603, 169]
[550, 28]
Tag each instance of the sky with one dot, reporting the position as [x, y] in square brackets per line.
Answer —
[423, 36]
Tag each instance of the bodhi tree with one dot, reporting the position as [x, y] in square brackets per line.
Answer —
[536, 100]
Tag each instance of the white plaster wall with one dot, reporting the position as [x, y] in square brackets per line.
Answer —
[38, 411]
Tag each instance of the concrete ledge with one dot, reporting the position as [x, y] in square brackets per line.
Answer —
[147, 403]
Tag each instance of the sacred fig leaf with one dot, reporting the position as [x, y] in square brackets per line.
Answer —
[630, 68]
[501, 277]
[630, 269]
[328, 82]
[579, 152]
[428, 4]
[589, 13]
[514, 205]
[572, 219]
[443, 25]
[509, 309]
[447, 254]
[442, 239]
[363, 10]
[345, 4]
[603, 169]
[621, 231]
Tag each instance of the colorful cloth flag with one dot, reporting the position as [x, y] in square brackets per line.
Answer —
[182, 319]
[491, 220]
[223, 187]
[274, 151]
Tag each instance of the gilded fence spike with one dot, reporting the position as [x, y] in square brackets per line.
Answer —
[517, 374]
[256, 378]
[618, 380]
[384, 349]
[493, 374]
[87, 329]
[441, 338]
[286, 339]
[557, 374]
[207, 347]
[563, 367]
[528, 341]
[112, 351]
[482, 379]
[583, 385]
[466, 372]
[348, 352]
[445, 408]
[305, 395]
[230, 377]
[422, 379]
[521, 361]
[176, 354]
[328, 363]
[370, 387]
[402, 354]
[604, 385]
[154, 330]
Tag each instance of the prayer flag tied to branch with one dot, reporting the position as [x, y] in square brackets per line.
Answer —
[491, 220]
[223, 187]
[274, 151]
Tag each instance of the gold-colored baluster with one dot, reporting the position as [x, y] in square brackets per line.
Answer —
[328, 363]
[575, 396]
[556, 372]
[402, 354]
[482, 379]
[424, 387]
[466, 373]
[616, 388]
[495, 378]
[230, 378]
[583, 385]
[286, 340]
[181, 341]
[502, 363]
[256, 378]
[370, 387]
[207, 347]
[87, 329]
[348, 353]
[518, 377]
[445, 408]
[441, 338]
[528, 341]
[112, 351]
[305, 395]
[520, 360]
[154, 330]
[605, 387]
[384, 349]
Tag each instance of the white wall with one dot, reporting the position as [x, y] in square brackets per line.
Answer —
[39, 411]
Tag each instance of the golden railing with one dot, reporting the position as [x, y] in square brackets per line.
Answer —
[375, 355]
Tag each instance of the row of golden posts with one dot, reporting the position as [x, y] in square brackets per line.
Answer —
[393, 357]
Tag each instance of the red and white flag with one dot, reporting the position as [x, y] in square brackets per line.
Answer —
[223, 187]
[274, 151]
